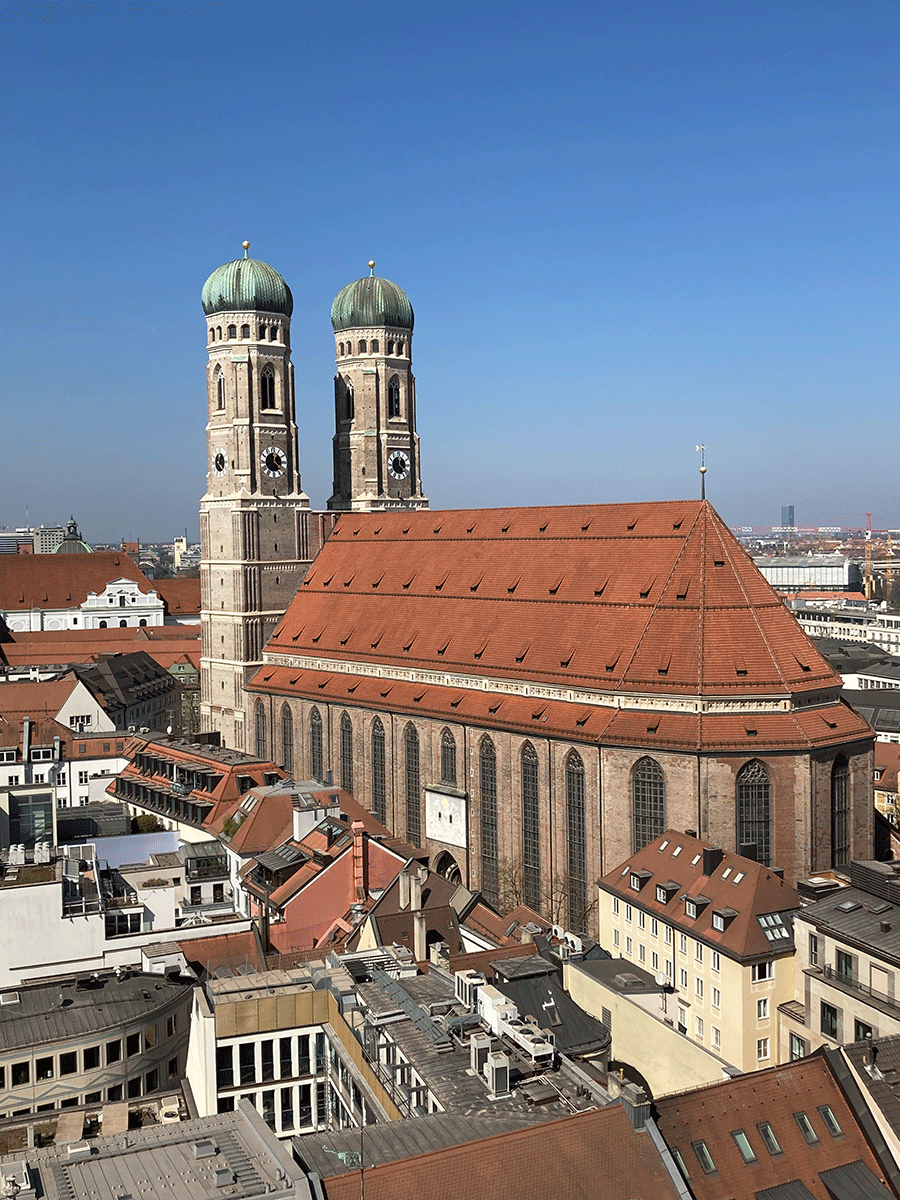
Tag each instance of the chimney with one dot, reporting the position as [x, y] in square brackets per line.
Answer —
[329, 779]
[360, 863]
[404, 886]
[712, 856]
[748, 850]
[417, 877]
[419, 949]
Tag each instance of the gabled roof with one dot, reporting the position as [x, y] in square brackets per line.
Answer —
[742, 889]
[30, 581]
[181, 595]
[712, 1113]
[36, 699]
[645, 598]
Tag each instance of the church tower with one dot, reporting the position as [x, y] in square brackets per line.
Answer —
[376, 447]
[256, 531]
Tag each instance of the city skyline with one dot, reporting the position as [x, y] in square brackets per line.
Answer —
[623, 234]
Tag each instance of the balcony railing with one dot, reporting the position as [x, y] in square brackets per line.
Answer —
[854, 985]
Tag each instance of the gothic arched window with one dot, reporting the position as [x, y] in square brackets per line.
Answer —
[400, 349]
[245, 331]
[576, 845]
[394, 397]
[648, 802]
[840, 812]
[531, 829]
[341, 351]
[448, 757]
[260, 730]
[390, 349]
[346, 754]
[232, 331]
[362, 347]
[267, 388]
[262, 333]
[287, 739]
[754, 804]
[487, 761]
[218, 333]
[413, 789]
[375, 346]
[273, 333]
[349, 401]
[379, 778]
[316, 756]
[220, 389]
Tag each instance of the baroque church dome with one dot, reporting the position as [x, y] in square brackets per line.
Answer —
[371, 302]
[246, 285]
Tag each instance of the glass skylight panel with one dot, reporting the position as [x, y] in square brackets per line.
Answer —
[704, 1158]
[738, 877]
[676, 851]
[743, 1144]
[770, 1141]
[806, 1128]
[726, 872]
[696, 859]
[663, 846]
[831, 1123]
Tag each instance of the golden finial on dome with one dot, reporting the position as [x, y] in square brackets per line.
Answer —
[246, 246]
[371, 266]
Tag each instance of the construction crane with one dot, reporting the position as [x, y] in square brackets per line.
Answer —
[868, 575]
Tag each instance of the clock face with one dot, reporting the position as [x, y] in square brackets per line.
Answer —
[398, 464]
[220, 462]
[273, 462]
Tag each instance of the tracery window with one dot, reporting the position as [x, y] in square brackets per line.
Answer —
[487, 759]
[379, 789]
[260, 730]
[267, 388]
[648, 802]
[448, 757]
[287, 739]
[394, 397]
[576, 846]
[316, 756]
[413, 790]
[840, 812]
[531, 829]
[346, 754]
[754, 802]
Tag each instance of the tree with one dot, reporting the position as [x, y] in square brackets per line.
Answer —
[147, 823]
[554, 894]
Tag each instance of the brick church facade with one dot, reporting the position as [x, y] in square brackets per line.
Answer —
[530, 694]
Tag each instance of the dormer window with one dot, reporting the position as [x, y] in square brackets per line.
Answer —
[694, 906]
[639, 878]
[665, 891]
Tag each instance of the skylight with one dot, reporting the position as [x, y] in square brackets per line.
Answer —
[696, 859]
[738, 877]
[677, 851]
[726, 872]
[663, 845]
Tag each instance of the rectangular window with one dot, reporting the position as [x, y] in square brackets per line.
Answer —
[670, 969]
[134, 1087]
[799, 1047]
[304, 1106]
[218, 893]
[43, 1067]
[616, 939]
[743, 1144]
[173, 1067]
[861, 1031]
[704, 1158]
[615, 906]
[682, 945]
[714, 960]
[682, 978]
[716, 998]
[151, 1081]
[654, 961]
[717, 1038]
[113, 1052]
[829, 1020]
[268, 1108]
[287, 1109]
[321, 1104]
[628, 913]
[247, 1059]
[132, 1044]
[762, 1049]
[698, 952]
[285, 1061]
[698, 1028]
[171, 1025]
[628, 945]
[654, 927]
[843, 963]
[93, 1098]
[642, 953]
[806, 1128]
[698, 988]
[82, 777]
[770, 1141]
[642, 919]
[831, 1123]
[114, 1093]
[224, 1067]
[760, 972]
[68, 1063]
[91, 1058]
[762, 1009]
[303, 1054]
[225, 1104]
[267, 1065]
[813, 950]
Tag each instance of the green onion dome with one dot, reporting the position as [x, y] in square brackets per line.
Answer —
[246, 285]
[371, 302]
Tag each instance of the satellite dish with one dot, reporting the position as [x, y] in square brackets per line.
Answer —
[660, 979]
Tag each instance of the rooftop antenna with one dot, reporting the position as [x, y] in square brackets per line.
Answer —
[702, 449]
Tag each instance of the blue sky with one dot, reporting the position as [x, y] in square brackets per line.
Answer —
[625, 228]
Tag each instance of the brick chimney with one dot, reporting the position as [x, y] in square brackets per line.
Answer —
[360, 862]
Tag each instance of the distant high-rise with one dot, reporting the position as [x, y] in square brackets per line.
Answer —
[787, 516]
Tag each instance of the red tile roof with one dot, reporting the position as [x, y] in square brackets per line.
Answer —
[62, 580]
[230, 950]
[774, 1096]
[35, 699]
[595, 1155]
[181, 595]
[647, 598]
[737, 883]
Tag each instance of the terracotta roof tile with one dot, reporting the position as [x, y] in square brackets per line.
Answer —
[62, 580]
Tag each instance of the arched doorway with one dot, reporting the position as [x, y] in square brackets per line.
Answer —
[446, 865]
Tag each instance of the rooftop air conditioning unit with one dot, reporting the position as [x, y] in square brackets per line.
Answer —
[479, 1049]
[496, 1072]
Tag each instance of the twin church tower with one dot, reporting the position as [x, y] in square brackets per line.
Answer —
[257, 531]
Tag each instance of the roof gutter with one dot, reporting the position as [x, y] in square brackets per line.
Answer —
[862, 1110]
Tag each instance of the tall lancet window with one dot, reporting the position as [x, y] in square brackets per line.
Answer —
[413, 788]
[531, 829]
[487, 761]
[448, 757]
[648, 802]
[346, 754]
[754, 805]
[260, 730]
[287, 739]
[349, 401]
[220, 390]
[316, 747]
[379, 773]
[840, 812]
[394, 397]
[267, 388]
[576, 842]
